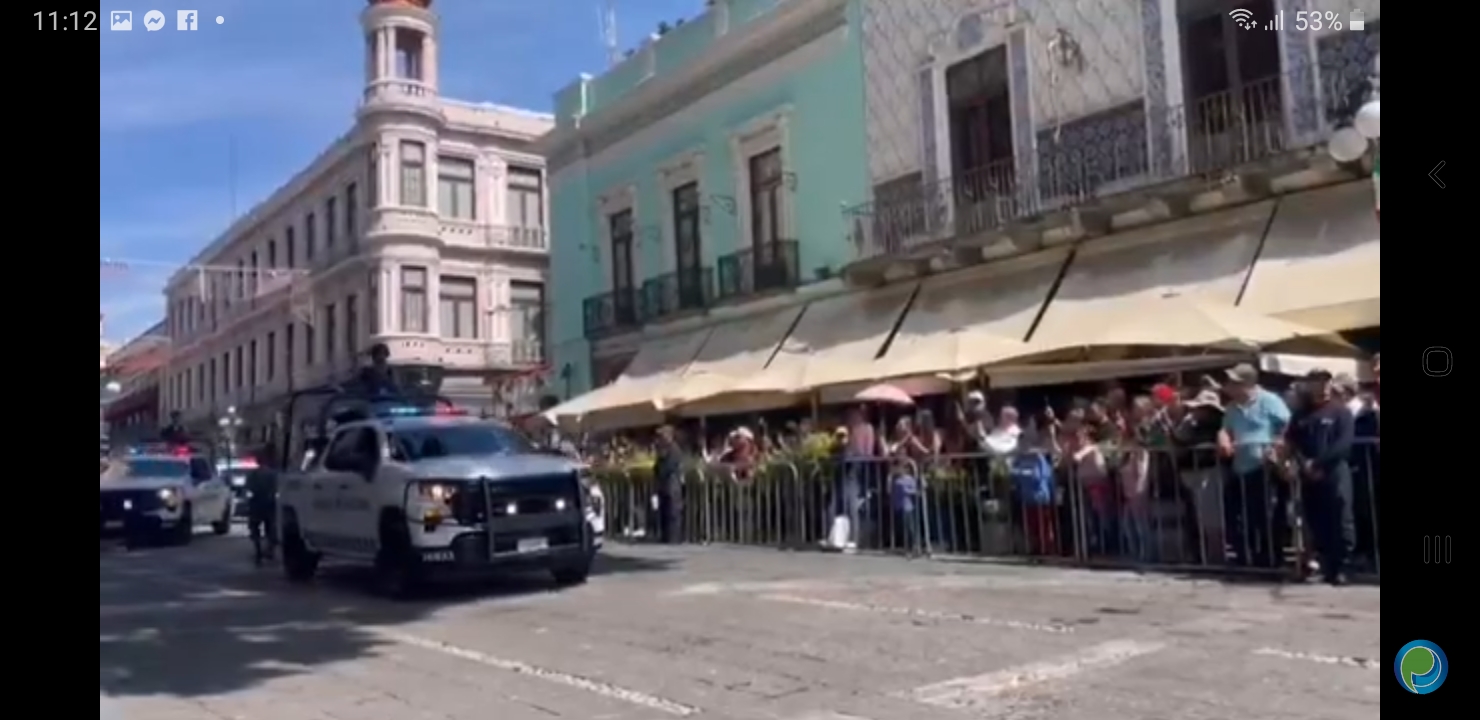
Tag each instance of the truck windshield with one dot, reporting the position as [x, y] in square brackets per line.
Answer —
[413, 444]
[160, 468]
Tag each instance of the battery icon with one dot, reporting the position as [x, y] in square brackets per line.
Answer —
[1357, 21]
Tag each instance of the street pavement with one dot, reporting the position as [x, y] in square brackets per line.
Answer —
[196, 633]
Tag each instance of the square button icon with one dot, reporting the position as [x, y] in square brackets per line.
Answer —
[121, 20]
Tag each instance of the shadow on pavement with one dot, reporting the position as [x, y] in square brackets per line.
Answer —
[193, 636]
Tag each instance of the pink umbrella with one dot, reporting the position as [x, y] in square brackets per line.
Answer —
[884, 393]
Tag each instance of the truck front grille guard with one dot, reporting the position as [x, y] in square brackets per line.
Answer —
[484, 486]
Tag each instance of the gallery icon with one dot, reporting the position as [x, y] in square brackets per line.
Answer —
[153, 21]
[121, 20]
[185, 20]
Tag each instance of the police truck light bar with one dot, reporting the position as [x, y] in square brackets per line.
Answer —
[399, 411]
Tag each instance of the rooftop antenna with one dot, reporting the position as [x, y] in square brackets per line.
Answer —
[609, 32]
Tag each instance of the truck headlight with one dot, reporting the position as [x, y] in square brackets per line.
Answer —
[435, 492]
[170, 497]
[432, 502]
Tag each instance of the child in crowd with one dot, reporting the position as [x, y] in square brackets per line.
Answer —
[905, 489]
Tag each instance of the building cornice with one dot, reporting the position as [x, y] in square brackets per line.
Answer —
[481, 119]
[732, 56]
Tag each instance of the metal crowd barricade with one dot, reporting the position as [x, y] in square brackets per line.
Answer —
[1192, 513]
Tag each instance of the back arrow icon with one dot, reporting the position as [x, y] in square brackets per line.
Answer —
[1434, 174]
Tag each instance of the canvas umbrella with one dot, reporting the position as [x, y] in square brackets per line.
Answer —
[885, 394]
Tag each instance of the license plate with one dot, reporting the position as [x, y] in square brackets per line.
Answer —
[113, 524]
[534, 544]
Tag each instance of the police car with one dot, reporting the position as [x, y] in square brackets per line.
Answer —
[418, 492]
[234, 472]
[161, 494]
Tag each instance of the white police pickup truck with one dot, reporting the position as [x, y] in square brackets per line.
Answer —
[419, 494]
[146, 497]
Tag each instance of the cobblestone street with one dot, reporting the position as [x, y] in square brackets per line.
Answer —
[197, 634]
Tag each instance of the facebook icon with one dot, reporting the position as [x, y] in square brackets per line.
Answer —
[185, 20]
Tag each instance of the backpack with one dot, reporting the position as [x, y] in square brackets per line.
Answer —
[1032, 477]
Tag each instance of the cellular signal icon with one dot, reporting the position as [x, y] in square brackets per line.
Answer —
[1243, 18]
[1278, 23]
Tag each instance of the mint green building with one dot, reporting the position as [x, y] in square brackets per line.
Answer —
[703, 179]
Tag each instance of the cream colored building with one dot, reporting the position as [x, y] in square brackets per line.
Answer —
[423, 228]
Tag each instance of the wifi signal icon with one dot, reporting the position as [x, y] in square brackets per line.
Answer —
[1243, 18]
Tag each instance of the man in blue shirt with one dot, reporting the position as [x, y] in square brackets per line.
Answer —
[1253, 439]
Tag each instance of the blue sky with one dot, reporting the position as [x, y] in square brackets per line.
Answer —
[270, 87]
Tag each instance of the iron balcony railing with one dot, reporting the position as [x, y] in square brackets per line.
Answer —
[1113, 152]
[761, 268]
[527, 352]
[610, 312]
[676, 292]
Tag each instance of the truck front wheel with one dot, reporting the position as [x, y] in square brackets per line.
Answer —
[398, 570]
[574, 572]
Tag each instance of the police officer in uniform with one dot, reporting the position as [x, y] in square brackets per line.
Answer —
[174, 432]
[1322, 437]
[376, 379]
[262, 488]
[668, 471]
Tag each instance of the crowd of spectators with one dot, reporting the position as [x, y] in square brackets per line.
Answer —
[1224, 468]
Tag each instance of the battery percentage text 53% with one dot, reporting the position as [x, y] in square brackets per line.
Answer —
[1316, 20]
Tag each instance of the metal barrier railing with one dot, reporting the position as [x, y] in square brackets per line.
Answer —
[1190, 510]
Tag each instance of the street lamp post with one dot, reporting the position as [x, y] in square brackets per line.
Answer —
[230, 424]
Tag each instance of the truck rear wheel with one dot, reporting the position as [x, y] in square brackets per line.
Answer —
[299, 563]
[184, 531]
[222, 525]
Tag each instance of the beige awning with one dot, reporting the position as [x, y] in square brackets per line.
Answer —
[1016, 376]
[735, 352]
[629, 401]
[1187, 321]
[1321, 263]
[1208, 256]
[1302, 365]
[836, 340]
[967, 319]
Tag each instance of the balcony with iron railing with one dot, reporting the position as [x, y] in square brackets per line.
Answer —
[676, 293]
[759, 269]
[401, 95]
[1114, 162]
[477, 354]
[610, 312]
[483, 236]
